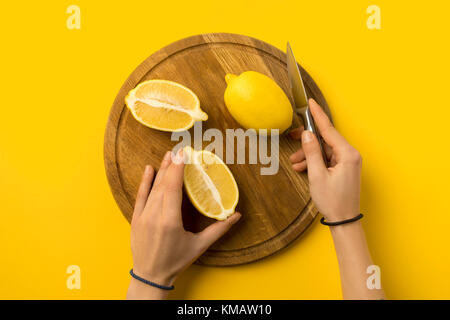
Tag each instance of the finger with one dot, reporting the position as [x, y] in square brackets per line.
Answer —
[144, 190]
[173, 187]
[216, 230]
[313, 153]
[298, 156]
[328, 151]
[296, 133]
[162, 168]
[331, 136]
[299, 167]
[156, 192]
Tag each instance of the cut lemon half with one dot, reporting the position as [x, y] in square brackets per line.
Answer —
[210, 184]
[164, 105]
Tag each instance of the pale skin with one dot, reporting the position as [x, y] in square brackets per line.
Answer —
[162, 249]
[335, 190]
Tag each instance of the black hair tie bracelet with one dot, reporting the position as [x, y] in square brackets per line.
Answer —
[150, 283]
[337, 223]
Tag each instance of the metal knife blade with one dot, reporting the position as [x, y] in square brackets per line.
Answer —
[300, 97]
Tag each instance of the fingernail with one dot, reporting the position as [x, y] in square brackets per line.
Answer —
[306, 136]
[147, 169]
[312, 100]
[179, 157]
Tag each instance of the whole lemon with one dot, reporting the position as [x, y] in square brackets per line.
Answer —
[257, 102]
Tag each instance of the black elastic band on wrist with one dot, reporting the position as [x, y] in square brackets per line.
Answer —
[337, 223]
[149, 282]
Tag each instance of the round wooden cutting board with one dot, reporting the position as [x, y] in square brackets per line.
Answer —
[275, 209]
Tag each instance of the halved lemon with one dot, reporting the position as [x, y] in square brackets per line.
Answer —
[165, 105]
[210, 184]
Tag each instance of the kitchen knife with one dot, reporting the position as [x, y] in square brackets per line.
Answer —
[300, 97]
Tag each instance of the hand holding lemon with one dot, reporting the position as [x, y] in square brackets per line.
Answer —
[160, 245]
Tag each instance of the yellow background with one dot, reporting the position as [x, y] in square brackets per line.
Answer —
[387, 89]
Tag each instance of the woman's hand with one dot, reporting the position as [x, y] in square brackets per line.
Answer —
[335, 192]
[161, 247]
[335, 189]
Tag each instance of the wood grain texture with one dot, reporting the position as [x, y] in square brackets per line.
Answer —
[275, 209]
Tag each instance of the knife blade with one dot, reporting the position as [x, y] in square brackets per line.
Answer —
[300, 97]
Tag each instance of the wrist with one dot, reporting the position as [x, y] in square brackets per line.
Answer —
[140, 291]
[341, 215]
[161, 279]
[344, 230]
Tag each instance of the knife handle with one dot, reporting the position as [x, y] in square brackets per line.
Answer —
[310, 125]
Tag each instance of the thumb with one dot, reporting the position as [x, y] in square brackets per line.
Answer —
[313, 154]
[216, 230]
